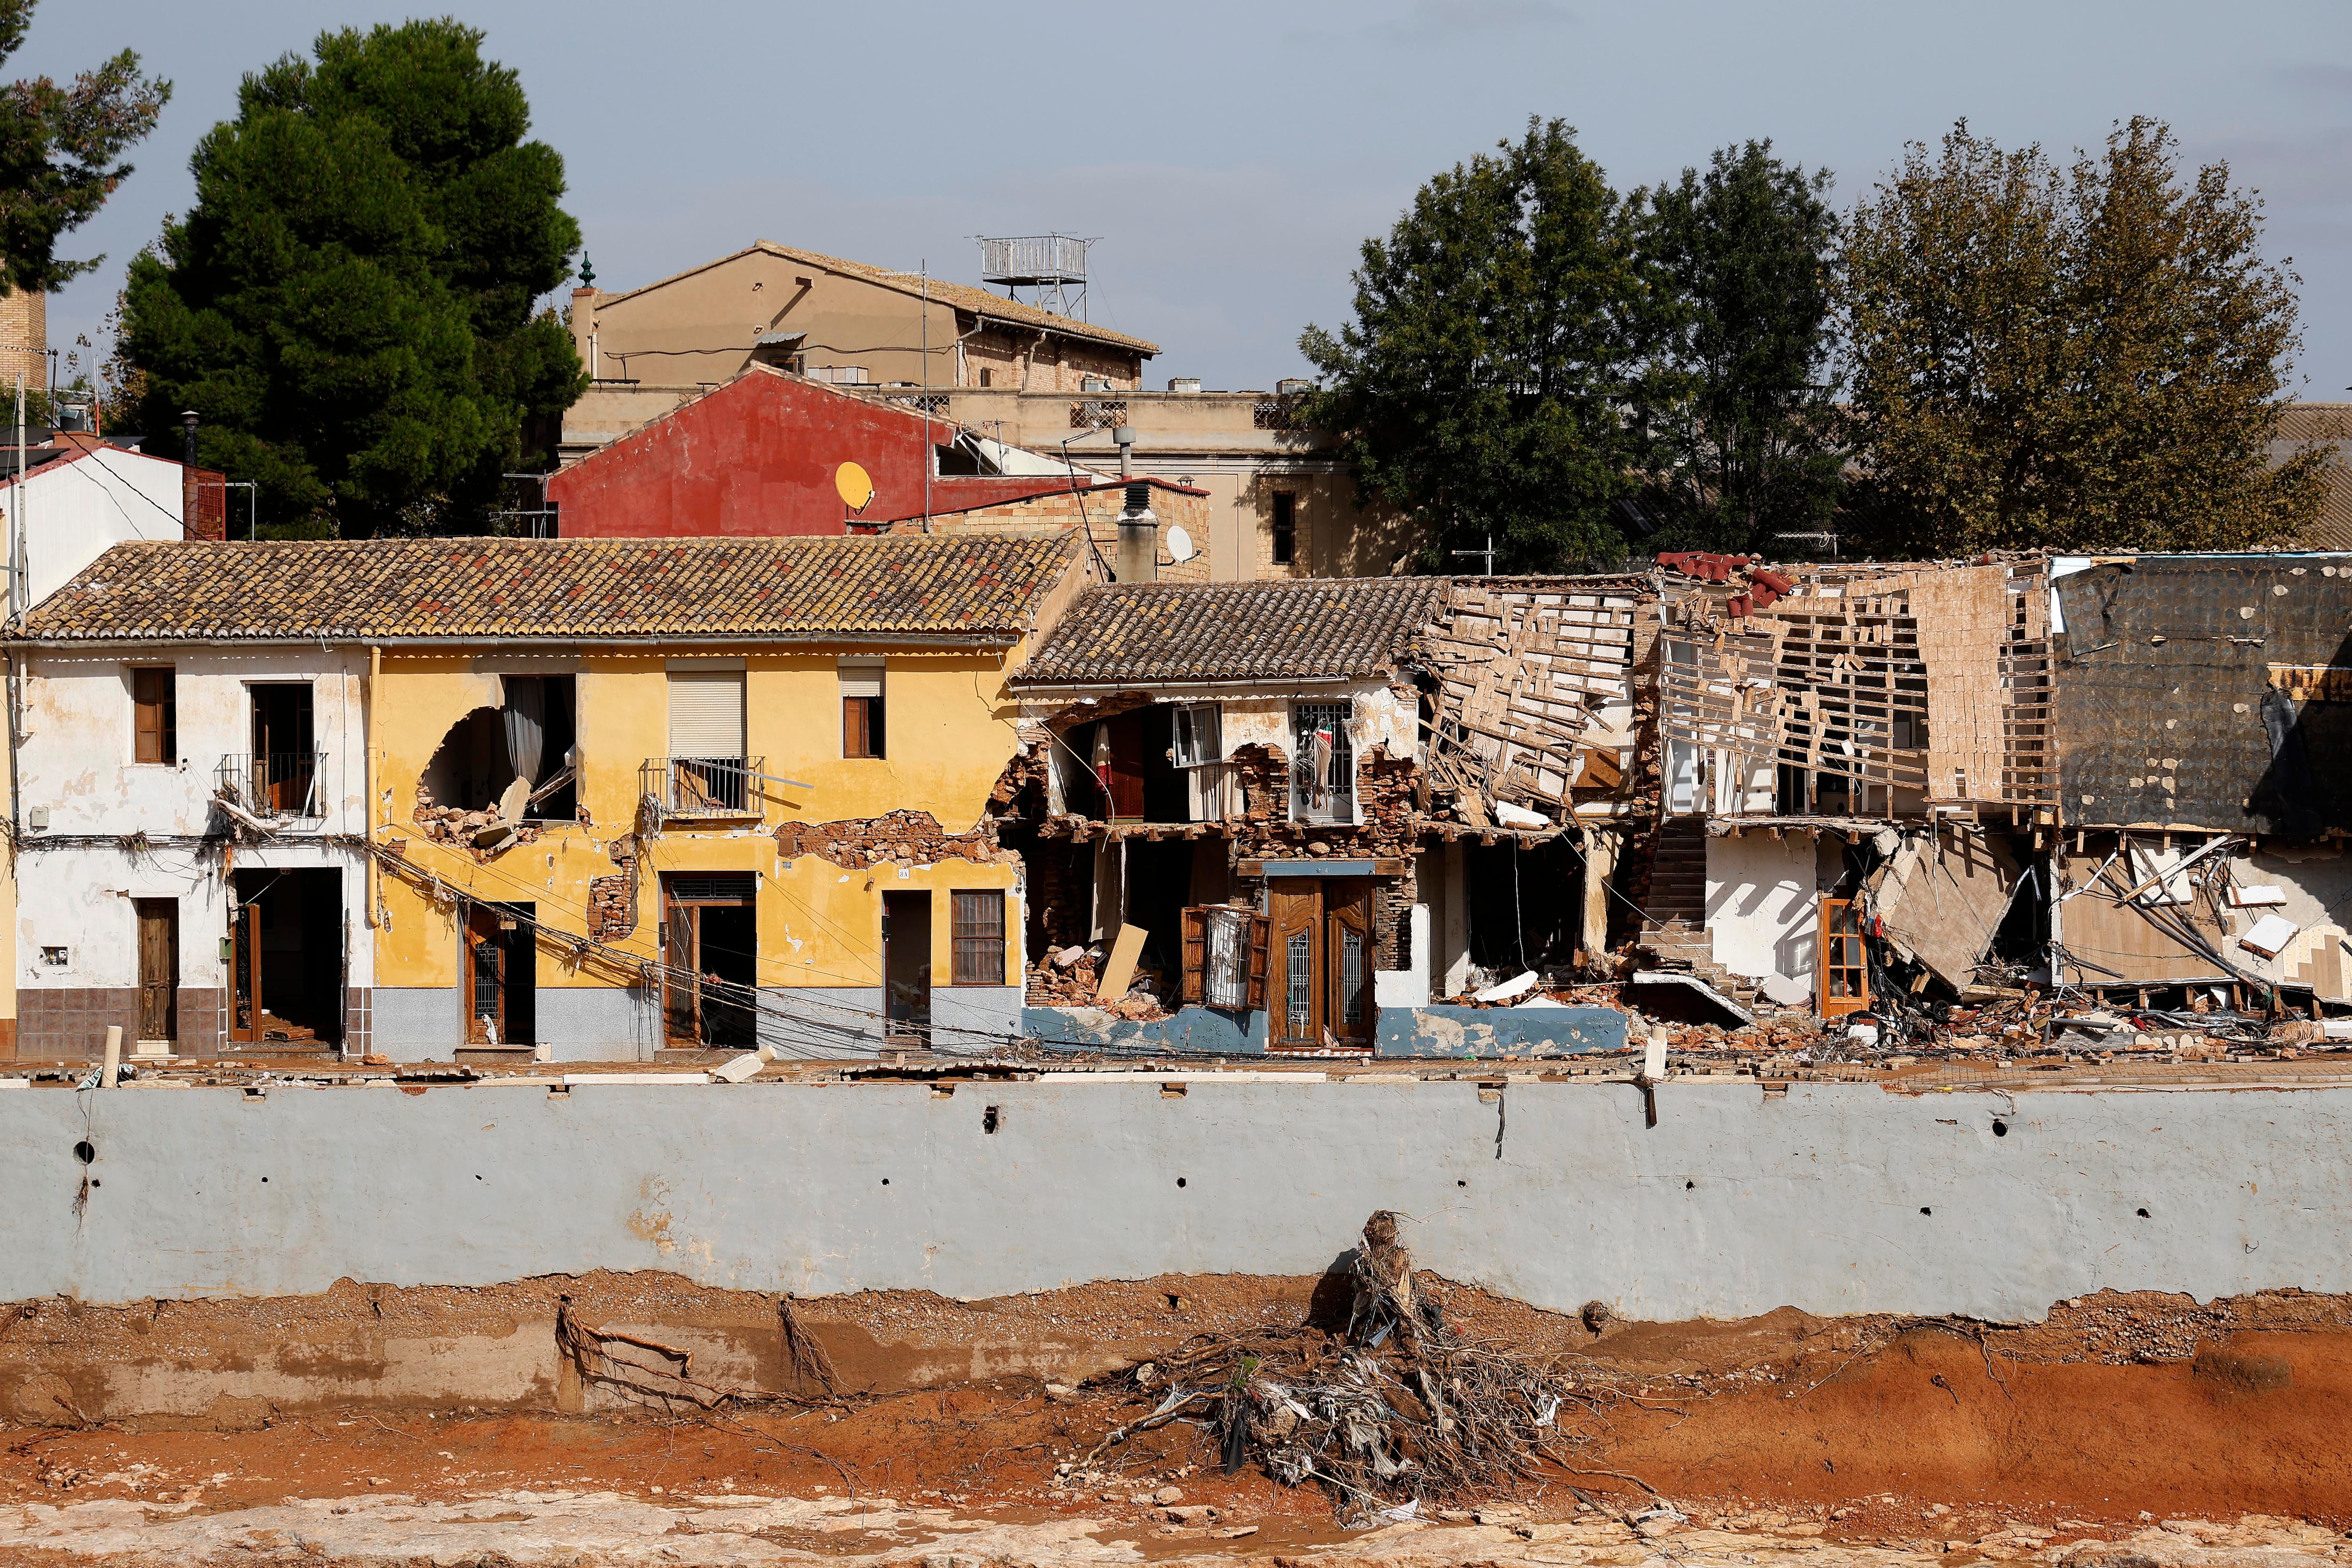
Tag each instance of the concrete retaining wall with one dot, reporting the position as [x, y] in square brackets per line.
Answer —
[1833, 1199]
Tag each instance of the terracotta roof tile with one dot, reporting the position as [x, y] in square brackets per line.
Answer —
[1300, 629]
[381, 589]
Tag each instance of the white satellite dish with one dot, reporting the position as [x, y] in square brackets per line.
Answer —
[1180, 543]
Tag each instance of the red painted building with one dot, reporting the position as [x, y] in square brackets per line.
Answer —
[765, 455]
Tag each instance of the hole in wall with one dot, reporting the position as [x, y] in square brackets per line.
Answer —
[988, 1119]
[85, 1151]
[1690, 1186]
[98, 1181]
[265, 1181]
[1180, 1181]
[885, 1181]
[1461, 1183]
[2141, 1212]
[2001, 1129]
[1926, 1211]
[1175, 1303]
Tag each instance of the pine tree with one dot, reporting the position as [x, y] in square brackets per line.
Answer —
[347, 306]
[1481, 388]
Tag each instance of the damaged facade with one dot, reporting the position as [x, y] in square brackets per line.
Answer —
[514, 798]
[588, 800]
[1301, 816]
[1917, 784]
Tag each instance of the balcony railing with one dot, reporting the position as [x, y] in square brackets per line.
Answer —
[701, 786]
[274, 783]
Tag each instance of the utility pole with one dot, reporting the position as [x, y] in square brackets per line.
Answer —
[1488, 555]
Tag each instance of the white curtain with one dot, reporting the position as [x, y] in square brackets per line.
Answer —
[526, 724]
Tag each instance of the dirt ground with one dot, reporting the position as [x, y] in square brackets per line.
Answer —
[2117, 1413]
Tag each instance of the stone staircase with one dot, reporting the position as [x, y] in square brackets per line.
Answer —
[1673, 915]
[1685, 946]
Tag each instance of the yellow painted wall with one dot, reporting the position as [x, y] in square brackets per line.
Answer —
[950, 733]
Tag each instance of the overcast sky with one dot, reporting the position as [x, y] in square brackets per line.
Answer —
[1232, 156]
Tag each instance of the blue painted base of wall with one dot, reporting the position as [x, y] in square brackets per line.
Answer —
[1440, 1030]
[1189, 1028]
[1436, 1030]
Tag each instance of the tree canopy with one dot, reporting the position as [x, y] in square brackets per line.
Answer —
[1741, 332]
[60, 153]
[1481, 385]
[348, 306]
[2087, 359]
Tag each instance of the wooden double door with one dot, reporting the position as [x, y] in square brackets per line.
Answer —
[1321, 932]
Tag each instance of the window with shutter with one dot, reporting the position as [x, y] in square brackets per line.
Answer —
[977, 935]
[705, 714]
[861, 708]
[155, 724]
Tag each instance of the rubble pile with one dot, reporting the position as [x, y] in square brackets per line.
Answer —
[1395, 1405]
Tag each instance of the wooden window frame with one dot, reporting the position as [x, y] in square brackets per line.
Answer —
[864, 718]
[975, 940]
[155, 687]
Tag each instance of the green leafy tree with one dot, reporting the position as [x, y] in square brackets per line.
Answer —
[59, 154]
[2087, 359]
[348, 306]
[1740, 333]
[1480, 387]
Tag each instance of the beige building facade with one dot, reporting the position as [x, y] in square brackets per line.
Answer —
[1278, 504]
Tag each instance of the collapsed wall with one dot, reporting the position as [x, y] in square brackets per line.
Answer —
[1744, 1197]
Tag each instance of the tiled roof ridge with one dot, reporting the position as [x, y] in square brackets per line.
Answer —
[958, 584]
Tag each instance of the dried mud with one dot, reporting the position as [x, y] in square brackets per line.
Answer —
[1889, 1435]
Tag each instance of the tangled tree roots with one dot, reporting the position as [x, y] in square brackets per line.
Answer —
[1397, 1406]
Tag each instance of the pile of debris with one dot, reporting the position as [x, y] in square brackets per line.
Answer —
[499, 827]
[1396, 1405]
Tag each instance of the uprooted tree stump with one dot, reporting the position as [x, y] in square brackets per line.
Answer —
[1396, 1405]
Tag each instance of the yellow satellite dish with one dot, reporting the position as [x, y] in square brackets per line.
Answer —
[855, 485]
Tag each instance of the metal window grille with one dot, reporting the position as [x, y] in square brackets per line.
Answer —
[978, 932]
[1300, 982]
[1225, 977]
[724, 887]
[1352, 976]
[1323, 776]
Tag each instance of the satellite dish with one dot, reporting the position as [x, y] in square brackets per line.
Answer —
[855, 485]
[1180, 543]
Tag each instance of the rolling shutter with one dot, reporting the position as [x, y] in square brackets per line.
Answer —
[861, 677]
[706, 713]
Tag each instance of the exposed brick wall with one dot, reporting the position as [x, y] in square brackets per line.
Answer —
[613, 900]
[24, 325]
[903, 837]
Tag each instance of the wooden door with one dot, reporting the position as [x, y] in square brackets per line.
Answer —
[1844, 968]
[244, 970]
[485, 979]
[158, 968]
[1297, 1005]
[1347, 959]
[1125, 782]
